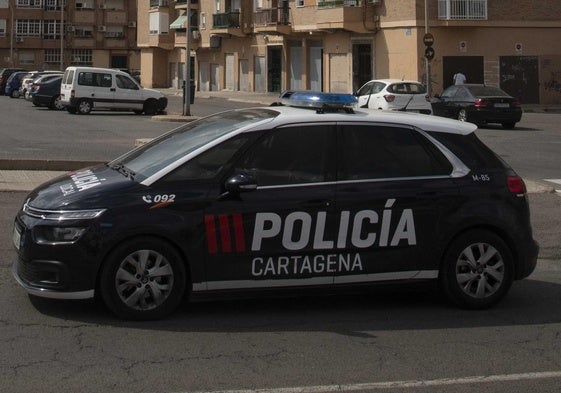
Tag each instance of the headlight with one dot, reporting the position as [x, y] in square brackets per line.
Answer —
[57, 235]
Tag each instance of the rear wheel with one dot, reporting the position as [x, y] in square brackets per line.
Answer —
[56, 103]
[14, 94]
[143, 279]
[84, 106]
[462, 115]
[477, 270]
[509, 125]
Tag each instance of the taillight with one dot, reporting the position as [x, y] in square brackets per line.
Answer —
[389, 97]
[516, 185]
[479, 103]
[427, 98]
[72, 93]
[516, 104]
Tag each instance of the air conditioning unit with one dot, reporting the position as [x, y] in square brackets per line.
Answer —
[19, 39]
[101, 28]
[196, 34]
[70, 28]
[132, 23]
[79, 5]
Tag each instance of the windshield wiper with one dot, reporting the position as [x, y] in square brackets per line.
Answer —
[122, 169]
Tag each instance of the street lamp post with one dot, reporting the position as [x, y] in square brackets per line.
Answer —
[187, 76]
[61, 35]
[427, 61]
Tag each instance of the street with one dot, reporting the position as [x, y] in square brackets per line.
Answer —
[395, 338]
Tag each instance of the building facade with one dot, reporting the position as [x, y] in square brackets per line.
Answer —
[337, 45]
[53, 34]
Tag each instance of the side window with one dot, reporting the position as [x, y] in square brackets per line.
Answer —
[95, 79]
[377, 152]
[125, 83]
[365, 90]
[297, 155]
[208, 165]
[398, 88]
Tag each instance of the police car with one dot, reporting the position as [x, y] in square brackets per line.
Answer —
[309, 193]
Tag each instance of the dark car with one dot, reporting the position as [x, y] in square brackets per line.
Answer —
[4, 75]
[281, 199]
[14, 83]
[47, 93]
[478, 104]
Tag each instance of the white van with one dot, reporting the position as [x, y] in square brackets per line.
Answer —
[86, 88]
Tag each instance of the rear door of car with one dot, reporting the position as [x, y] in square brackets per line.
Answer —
[394, 189]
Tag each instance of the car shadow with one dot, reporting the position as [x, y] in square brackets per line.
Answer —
[501, 128]
[383, 308]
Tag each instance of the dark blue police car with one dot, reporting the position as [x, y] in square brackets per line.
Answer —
[279, 198]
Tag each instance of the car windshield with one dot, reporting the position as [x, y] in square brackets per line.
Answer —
[482, 91]
[171, 147]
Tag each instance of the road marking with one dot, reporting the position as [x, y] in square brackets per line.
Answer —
[556, 181]
[400, 384]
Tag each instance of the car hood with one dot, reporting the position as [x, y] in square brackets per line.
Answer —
[88, 188]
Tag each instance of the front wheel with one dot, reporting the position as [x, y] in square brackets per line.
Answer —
[150, 107]
[477, 270]
[143, 279]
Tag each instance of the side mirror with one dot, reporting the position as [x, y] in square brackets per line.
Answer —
[241, 182]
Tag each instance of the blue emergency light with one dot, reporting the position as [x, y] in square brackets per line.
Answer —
[318, 100]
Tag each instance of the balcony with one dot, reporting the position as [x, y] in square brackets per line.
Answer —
[228, 23]
[462, 9]
[333, 15]
[272, 21]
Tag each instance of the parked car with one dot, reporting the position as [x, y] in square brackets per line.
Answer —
[48, 93]
[478, 104]
[30, 78]
[394, 94]
[217, 207]
[14, 83]
[4, 75]
[39, 80]
[84, 89]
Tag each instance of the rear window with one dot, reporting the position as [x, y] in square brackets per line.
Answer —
[482, 91]
[68, 76]
[470, 150]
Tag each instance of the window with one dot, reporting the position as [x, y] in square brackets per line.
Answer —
[209, 164]
[203, 21]
[83, 31]
[298, 155]
[52, 56]
[462, 9]
[124, 82]
[51, 29]
[96, 79]
[29, 3]
[82, 57]
[2, 27]
[54, 5]
[84, 4]
[299, 3]
[159, 23]
[28, 27]
[370, 152]
[115, 32]
[26, 58]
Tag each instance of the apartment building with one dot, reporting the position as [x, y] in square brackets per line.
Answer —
[53, 34]
[337, 45]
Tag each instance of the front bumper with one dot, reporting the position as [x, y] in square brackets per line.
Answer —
[30, 279]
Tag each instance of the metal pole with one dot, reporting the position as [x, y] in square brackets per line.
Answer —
[12, 35]
[187, 76]
[427, 61]
[62, 35]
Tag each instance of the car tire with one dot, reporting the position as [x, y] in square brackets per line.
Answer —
[509, 126]
[137, 111]
[143, 279]
[462, 115]
[71, 110]
[14, 94]
[477, 270]
[57, 103]
[84, 106]
[150, 107]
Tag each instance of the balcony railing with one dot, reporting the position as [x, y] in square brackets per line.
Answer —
[462, 9]
[271, 16]
[158, 3]
[338, 3]
[226, 20]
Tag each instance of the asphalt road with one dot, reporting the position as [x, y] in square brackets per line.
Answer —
[395, 339]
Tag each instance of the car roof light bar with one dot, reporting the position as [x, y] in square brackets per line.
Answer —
[318, 100]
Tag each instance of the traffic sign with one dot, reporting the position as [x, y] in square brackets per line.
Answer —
[428, 39]
[429, 53]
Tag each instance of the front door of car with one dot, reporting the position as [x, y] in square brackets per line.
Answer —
[445, 104]
[279, 234]
[127, 93]
[394, 187]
